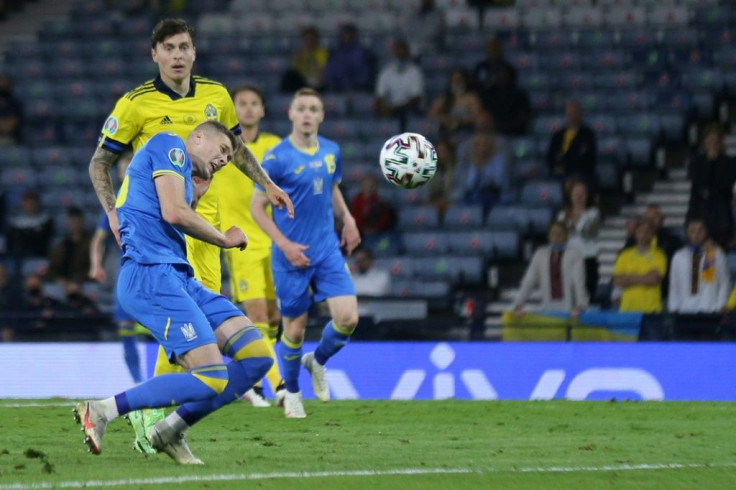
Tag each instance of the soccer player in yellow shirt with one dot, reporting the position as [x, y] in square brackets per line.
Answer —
[175, 101]
[251, 281]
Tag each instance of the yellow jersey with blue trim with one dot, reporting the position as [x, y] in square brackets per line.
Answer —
[235, 192]
[153, 108]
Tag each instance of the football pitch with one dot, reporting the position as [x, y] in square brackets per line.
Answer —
[391, 444]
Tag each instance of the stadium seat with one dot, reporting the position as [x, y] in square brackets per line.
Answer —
[543, 19]
[41, 109]
[602, 124]
[541, 101]
[639, 150]
[527, 169]
[34, 267]
[501, 19]
[287, 23]
[562, 60]
[611, 147]
[545, 126]
[505, 244]
[616, 80]
[622, 102]
[524, 147]
[508, 217]
[426, 243]
[672, 125]
[473, 242]
[424, 126]
[418, 217]
[434, 289]
[637, 38]
[336, 105]
[607, 175]
[536, 80]
[711, 15]
[61, 176]
[383, 244]
[470, 270]
[690, 58]
[462, 216]
[583, 17]
[353, 173]
[668, 16]
[594, 39]
[548, 193]
[437, 268]
[255, 24]
[642, 124]
[554, 40]
[377, 22]
[702, 80]
[575, 80]
[339, 128]
[18, 176]
[603, 59]
[14, 156]
[539, 219]
[625, 16]
[398, 266]
[461, 18]
[48, 158]
[682, 37]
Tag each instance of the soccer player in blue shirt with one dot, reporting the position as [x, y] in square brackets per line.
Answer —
[306, 250]
[156, 286]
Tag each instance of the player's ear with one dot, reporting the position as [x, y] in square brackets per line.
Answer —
[154, 57]
[194, 53]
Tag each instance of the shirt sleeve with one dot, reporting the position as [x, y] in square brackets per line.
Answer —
[227, 115]
[660, 263]
[620, 266]
[121, 127]
[337, 178]
[169, 156]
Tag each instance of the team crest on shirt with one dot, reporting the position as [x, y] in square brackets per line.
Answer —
[111, 125]
[177, 157]
[243, 286]
[319, 185]
[190, 119]
[210, 112]
[187, 330]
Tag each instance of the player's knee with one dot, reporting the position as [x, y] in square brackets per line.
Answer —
[214, 376]
[347, 321]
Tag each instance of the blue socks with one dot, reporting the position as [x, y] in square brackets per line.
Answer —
[333, 339]
[174, 389]
[290, 354]
[132, 359]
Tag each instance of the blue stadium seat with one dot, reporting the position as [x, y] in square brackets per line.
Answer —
[35, 266]
[505, 244]
[547, 193]
[523, 60]
[590, 101]
[27, 70]
[398, 266]
[717, 36]
[652, 58]
[670, 16]
[352, 174]
[535, 80]
[470, 270]
[508, 217]
[424, 126]
[18, 177]
[108, 67]
[437, 268]
[642, 124]
[637, 38]
[46, 158]
[607, 175]
[627, 101]
[604, 59]
[539, 219]
[545, 126]
[463, 216]
[702, 80]
[383, 244]
[690, 58]
[438, 290]
[588, 39]
[338, 129]
[602, 124]
[625, 16]
[61, 177]
[524, 147]
[563, 60]
[57, 29]
[335, 104]
[41, 109]
[541, 101]
[639, 149]
[555, 40]
[676, 101]
[611, 147]
[731, 261]
[661, 79]
[418, 217]
[14, 156]
[583, 17]
[711, 15]
[672, 125]
[575, 80]
[404, 197]
[617, 80]
[96, 28]
[527, 169]
[502, 19]
[680, 37]
[426, 243]
[473, 242]
[543, 19]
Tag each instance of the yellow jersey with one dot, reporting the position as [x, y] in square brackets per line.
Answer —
[644, 299]
[235, 191]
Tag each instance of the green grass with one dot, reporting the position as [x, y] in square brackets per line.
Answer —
[497, 444]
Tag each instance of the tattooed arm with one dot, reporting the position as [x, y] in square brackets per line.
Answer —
[99, 172]
[244, 160]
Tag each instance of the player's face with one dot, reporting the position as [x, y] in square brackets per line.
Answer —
[306, 114]
[175, 56]
[248, 108]
[213, 151]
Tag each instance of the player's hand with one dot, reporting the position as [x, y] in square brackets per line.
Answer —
[279, 198]
[350, 238]
[98, 273]
[112, 216]
[235, 238]
[294, 252]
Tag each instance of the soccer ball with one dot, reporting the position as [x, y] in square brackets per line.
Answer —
[408, 160]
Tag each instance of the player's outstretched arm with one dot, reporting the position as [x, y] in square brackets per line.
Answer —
[293, 251]
[99, 173]
[176, 211]
[350, 237]
[244, 160]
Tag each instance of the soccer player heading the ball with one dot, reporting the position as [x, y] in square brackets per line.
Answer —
[306, 250]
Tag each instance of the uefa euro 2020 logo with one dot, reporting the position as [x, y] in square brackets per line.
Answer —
[177, 157]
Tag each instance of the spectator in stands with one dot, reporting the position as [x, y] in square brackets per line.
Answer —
[10, 299]
[639, 271]
[350, 66]
[713, 175]
[77, 302]
[372, 214]
[308, 64]
[509, 105]
[484, 179]
[459, 108]
[31, 230]
[69, 259]
[558, 270]
[572, 149]
[667, 241]
[400, 86]
[368, 280]
[483, 124]
[35, 302]
[11, 113]
[493, 69]
[699, 277]
[425, 29]
[583, 221]
[442, 186]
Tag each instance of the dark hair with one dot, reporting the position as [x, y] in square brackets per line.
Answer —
[170, 27]
[74, 212]
[449, 98]
[217, 127]
[696, 219]
[247, 88]
[310, 30]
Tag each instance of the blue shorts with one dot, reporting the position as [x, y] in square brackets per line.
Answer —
[120, 314]
[180, 313]
[328, 279]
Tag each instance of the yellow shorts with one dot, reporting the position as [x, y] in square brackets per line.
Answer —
[250, 274]
[205, 260]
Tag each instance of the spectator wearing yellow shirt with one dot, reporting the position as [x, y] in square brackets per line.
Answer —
[639, 271]
[308, 64]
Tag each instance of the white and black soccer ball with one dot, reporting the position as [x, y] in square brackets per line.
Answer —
[408, 160]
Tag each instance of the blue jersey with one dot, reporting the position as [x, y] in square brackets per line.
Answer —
[307, 177]
[146, 237]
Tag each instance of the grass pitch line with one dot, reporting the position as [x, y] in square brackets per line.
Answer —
[333, 474]
[37, 404]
